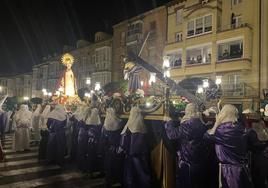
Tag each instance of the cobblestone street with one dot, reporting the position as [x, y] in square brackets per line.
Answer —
[22, 170]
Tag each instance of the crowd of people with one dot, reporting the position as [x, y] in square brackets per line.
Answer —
[223, 154]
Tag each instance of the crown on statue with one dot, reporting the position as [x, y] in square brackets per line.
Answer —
[67, 59]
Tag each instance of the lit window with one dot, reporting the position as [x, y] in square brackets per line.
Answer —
[230, 50]
[199, 26]
[175, 58]
[179, 16]
[199, 55]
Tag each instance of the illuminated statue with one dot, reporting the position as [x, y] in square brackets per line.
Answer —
[132, 74]
[68, 81]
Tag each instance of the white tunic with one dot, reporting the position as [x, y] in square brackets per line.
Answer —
[36, 123]
[22, 133]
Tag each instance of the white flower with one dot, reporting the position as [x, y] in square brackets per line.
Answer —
[116, 95]
[140, 92]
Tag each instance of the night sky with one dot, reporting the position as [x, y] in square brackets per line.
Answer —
[32, 29]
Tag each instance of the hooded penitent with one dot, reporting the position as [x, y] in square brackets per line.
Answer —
[36, 122]
[228, 113]
[135, 123]
[93, 118]
[191, 111]
[231, 148]
[112, 122]
[44, 116]
[58, 113]
[56, 123]
[23, 123]
[134, 141]
[23, 116]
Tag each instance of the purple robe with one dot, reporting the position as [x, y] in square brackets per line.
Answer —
[137, 170]
[87, 149]
[192, 153]
[113, 162]
[75, 131]
[259, 160]
[231, 149]
[56, 146]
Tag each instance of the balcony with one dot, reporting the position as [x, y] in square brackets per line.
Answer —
[232, 27]
[237, 90]
[136, 37]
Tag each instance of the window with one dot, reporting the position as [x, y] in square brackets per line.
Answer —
[179, 16]
[199, 26]
[230, 50]
[236, 21]
[178, 37]
[152, 25]
[236, 2]
[123, 37]
[175, 58]
[198, 55]
[208, 23]
[190, 28]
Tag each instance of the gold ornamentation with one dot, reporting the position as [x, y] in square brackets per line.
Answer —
[67, 59]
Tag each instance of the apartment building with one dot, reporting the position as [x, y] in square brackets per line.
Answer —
[209, 38]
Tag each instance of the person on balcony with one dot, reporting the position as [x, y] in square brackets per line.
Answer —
[230, 141]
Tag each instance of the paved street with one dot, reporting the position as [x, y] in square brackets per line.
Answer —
[22, 170]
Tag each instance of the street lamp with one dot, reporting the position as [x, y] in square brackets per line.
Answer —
[152, 78]
[218, 80]
[88, 81]
[97, 86]
[200, 89]
[26, 98]
[205, 83]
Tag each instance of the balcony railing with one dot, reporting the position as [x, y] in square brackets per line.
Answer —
[232, 26]
[237, 90]
[134, 37]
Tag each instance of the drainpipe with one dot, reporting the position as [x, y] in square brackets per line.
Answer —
[260, 37]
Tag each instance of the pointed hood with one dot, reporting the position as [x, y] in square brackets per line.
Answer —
[135, 122]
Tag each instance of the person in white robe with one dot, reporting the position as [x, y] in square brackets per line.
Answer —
[36, 123]
[22, 129]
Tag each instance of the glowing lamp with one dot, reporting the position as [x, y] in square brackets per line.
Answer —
[205, 83]
[200, 89]
[26, 98]
[148, 104]
[152, 78]
[166, 63]
[218, 80]
[142, 83]
[88, 81]
[97, 86]
[167, 73]
[49, 94]
[44, 90]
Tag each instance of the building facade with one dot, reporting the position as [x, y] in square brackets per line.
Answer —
[17, 85]
[129, 35]
[91, 61]
[212, 38]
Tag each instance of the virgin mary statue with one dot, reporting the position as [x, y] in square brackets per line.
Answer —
[68, 81]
